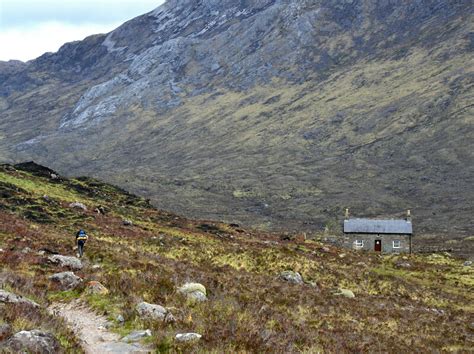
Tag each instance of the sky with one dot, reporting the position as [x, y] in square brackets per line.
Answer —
[29, 28]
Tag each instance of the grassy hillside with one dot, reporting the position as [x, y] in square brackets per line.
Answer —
[401, 303]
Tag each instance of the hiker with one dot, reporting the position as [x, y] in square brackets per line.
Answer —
[81, 238]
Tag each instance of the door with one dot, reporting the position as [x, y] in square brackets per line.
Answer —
[378, 246]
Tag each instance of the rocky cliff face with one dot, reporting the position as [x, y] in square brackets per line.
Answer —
[271, 113]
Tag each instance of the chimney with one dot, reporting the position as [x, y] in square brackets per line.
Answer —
[347, 214]
[408, 216]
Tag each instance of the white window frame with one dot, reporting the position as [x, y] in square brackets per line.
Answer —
[359, 243]
[399, 244]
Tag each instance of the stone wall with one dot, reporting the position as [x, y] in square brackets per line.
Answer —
[348, 241]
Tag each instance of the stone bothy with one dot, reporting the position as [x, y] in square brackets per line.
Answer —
[387, 236]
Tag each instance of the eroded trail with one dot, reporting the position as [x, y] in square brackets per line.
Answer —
[89, 328]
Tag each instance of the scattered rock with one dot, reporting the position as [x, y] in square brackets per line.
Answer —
[194, 291]
[77, 205]
[41, 253]
[136, 336]
[151, 311]
[5, 331]
[120, 319]
[437, 311]
[346, 293]
[342, 255]
[325, 249]
[467, 263]
[26, 250]
[169, 318]
[66, 261]
[187, 337]
[66, 280]
[268, 242]
[34, 341]
[96, 267]
[291, 277]
[94, 287]
[11, 298]
[127, 222]
[402, 264]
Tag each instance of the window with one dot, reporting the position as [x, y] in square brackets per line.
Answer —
[359, 243]
[397, 244]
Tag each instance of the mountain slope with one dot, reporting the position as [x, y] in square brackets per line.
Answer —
[400, 302]
[277, 114]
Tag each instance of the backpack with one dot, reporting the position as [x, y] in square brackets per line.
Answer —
[81, 235]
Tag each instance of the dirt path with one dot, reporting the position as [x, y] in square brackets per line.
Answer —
[89, 328]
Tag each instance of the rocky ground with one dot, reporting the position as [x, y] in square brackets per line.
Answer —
[152, 280]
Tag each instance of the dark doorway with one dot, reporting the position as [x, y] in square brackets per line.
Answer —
[378, 246]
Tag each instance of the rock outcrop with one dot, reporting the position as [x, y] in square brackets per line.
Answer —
[136, 336]
[66, 280]
[5, 331]
[66, 261]
[187, 337]
[345, 292]
[154, 312]
[8, 297]
[34, 341]
[77, 205]
[291, 277]
[194, 291]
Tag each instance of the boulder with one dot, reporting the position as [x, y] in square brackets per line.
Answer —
[136, 336]
[187, 337]
[11, 298]
[151, 311]
[66, 280]
[291, 277]
[120, 319]
[66, 261]
[95, 287]
[345, 292]
[467, 263]
[77, 205]
[5, 331]
[402, 264]
[194, 291]
[34, 341]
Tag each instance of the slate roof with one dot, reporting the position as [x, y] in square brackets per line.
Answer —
[372, 226]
